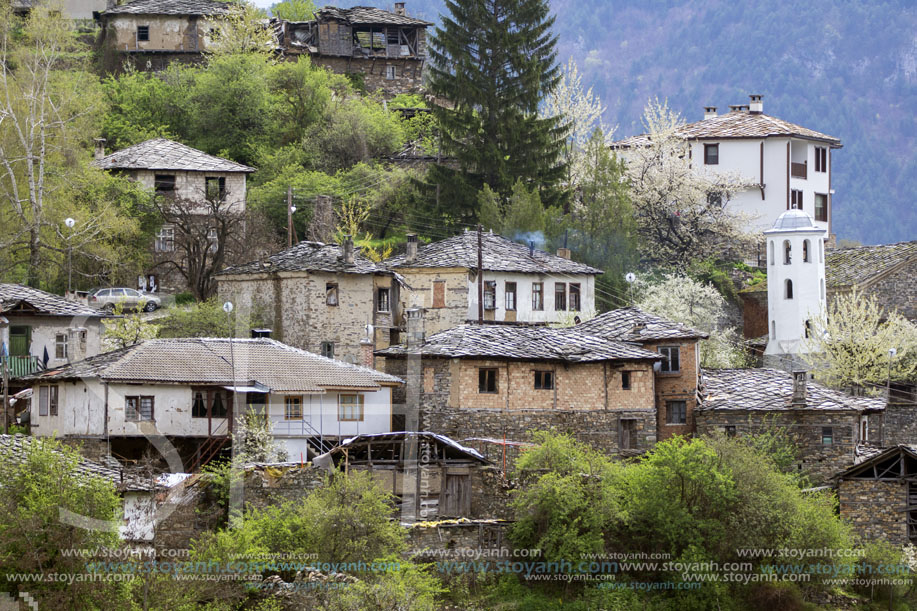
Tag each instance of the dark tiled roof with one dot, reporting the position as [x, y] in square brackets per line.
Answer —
[13, 295]
[524, 343]
[164, 154]
[308, 257]
[634, 325]
[869, 456]
[772, 389]
[737, 124]
[499, 254]
[277, 366]
[170, 7]
[367, 15]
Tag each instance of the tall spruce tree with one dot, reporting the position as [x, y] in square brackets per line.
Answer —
[493, 61]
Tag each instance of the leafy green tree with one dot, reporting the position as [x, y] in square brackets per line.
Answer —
[204, 319]
[294, 10]
[243, 31]
[127, 328]
[494, 60]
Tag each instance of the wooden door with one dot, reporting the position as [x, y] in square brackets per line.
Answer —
[455, 498]
[20, 338]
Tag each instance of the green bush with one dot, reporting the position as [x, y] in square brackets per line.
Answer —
[184, 298]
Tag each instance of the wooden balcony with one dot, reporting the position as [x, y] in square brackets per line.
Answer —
[22, 365]
[798, 170]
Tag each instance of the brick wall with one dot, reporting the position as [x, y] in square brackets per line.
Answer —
[754, 314]
[680, 386]
[875, 509]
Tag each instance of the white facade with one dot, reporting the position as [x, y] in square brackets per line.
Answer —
[795, 281]
[524, 301]
[66, 339]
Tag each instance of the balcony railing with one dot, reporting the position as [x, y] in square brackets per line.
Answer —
[798, 170]
[22, 365]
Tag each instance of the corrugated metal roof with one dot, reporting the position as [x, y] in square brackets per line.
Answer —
[164, 154]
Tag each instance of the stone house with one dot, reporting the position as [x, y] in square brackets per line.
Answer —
[190, 392]
[324, 298]
[878, 496]
[676, 374]
[480, 383]
[82, 12]
[46, 330]
[170, 169]
[152, 33]
[519, 283]
[828, 426]
[387, 49]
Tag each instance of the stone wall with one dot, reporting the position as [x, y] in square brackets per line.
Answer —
[820, 461]
[898, 290]
[429, 540]
[437, 317]
[754, 314]
[900, 425]
[875, 508]
[408, 72]
[190, 508]
[264, 486]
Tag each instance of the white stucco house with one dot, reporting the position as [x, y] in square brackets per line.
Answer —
[788, 166]
[193, 392]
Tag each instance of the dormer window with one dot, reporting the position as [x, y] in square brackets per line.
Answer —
[711, 154]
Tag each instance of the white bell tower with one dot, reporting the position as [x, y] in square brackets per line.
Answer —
[795, 285]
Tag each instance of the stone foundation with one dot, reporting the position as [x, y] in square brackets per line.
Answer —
[875, 508]
[265, 486]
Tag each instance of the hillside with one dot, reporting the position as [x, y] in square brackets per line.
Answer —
[847, 69]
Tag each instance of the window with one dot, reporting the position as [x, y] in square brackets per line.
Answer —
[292, 407]
[213, 239]
[864, 430]
[199, 404]
[827, 435]
[805, 251]
[328, 349]
[711, 154]
[217, 404]
[574, 297]
[165, 239]
[560, 296]
[164, 184]
[821, 207]
[60, 346]
[670, 360]
[331, 293]
[350, 407]
[544, 380]
[439, 293]
[770, 251]
[487, 380]
[676, 412]
[730, 430]
[47, 400]
[821, 159]
[490, 295]
[796, 199]
[143, 33]
[215, 188]
[537, 296]
[625, 380]
[390, 73]
[138, 408]
[52, 400]
[509, 290]
[788, 289]
[787, 252]
[382, 300]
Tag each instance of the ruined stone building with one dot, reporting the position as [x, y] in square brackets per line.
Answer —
[827, 425]
[519, 284]
[325, 298]
[483, 384]
[152, 33]
[386, 49]
[676, 375]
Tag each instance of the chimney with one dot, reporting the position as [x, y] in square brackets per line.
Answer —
[738, 107]
[367, 359]
[100, 147]
[563, 253]
[531, 248]
[756, 104]
[412, 248]
[799, 388]
[399, 8]
[347, 250]
[709, 112]
[414, 323]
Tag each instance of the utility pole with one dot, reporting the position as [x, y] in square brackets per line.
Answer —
[480, 280]
[5, 355]
[290, 216]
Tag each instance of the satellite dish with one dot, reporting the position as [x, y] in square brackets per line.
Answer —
[630, 277]
[227, 307]
[69, 222]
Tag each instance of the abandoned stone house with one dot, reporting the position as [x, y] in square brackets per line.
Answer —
[486, 383]
[827, 425]
[324, 298]
[199, 183]
[81, 12]
[149, 34]
[191, 391]
[386, 49]
[519, 283]
[676, 374]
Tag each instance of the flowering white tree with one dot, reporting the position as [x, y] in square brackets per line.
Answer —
[254, 441]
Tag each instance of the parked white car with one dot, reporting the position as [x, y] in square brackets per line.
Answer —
[131, 299]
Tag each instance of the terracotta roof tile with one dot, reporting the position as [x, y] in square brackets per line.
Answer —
[164, 154]
[634, 325]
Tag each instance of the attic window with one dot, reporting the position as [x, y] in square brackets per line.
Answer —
[143, 33]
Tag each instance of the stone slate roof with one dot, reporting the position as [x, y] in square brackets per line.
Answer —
[772, 390]
[45, 304]
[279, 367]
[310, 257]
[737, 125]
[367, 15]
[849, 267]
[170, 7]
[164, 154]
[869, 456]
[634, 325]
[499, 254]
[526, 343]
